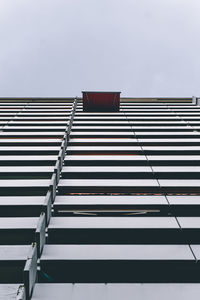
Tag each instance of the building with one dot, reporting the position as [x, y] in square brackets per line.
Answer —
[100, 205]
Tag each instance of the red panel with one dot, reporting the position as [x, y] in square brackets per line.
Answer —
[101, 101]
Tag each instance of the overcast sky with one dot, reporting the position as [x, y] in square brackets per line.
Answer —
[61, 47]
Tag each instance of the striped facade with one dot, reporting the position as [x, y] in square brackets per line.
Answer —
[99, 205]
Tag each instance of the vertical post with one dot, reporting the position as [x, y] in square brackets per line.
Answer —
[71, 118]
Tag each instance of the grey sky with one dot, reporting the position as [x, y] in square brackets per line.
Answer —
[60, 47]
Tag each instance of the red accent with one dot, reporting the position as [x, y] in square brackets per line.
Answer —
[101, 101]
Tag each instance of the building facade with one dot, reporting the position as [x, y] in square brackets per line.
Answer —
[99, 205]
